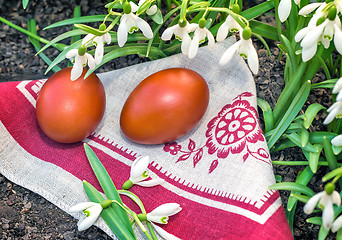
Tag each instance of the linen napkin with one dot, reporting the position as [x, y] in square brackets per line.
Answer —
[219, 172]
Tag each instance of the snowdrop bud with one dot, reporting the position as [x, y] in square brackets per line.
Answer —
[182, 23]
[127, 185]
[247, 33]
[329, 188]
[202, 22]
[127, 8]
[332, 13]
[102, 27]
[82, 50]
[236, 8]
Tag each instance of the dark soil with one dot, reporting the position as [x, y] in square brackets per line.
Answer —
[26, 215]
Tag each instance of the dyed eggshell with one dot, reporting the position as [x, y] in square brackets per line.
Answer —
[164, 106]
[69, 111]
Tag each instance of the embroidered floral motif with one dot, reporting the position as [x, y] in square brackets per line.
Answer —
[230, 132]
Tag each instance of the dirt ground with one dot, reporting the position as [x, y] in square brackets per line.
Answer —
[26, 215]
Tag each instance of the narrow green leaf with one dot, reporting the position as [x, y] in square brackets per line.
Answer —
[107, 185]
[290, 216]
[303, 178]
[323, 233]
[77, 14]
[317, 137]
[300, 197]
[295, 138]
[267, 113]
[25, 2]
[315, 220]
[65, 35]
[291, 113]
[332, 174]
[304, 137]
[311, 113]
[264, 30]
[108, 214]
[291, 186]
[257, 10]
[290, 51]
[157, 17]
[84, 19]
[331, 159]
[314, 158]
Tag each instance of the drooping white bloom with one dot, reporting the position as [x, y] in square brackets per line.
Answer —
[246, 50]
[326, 200]
[199, 37]
[98, 41]
[150, 11]
[181, 33]
[91, 212]
[230, 24]
[161, 214]
[337, 224]
[139, 174]
[284, 9]
[130, 23]
[79, 62]
[337, 141]
[335, 111]
[309, 8]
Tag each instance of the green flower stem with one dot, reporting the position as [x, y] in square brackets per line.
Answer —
[279, 29]
[60, 47]
[183, 11]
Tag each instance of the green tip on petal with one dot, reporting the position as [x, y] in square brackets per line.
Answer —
[164, 220]
[82, 50]
[127, 185]
[106, 203]
[329, 188]
[86, 213]
[247, 33]
[144, 174]
[142, 216]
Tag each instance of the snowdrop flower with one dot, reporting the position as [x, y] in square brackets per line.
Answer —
[284, 9]
[200, 34]
[326, 199]
[246, 50]
[91, 212]
[98, 41]
[81, 59]
[139, 174]
[161, 215]
[335, 111]
[181, 32]
[150, 11]
[337, 224]
[230, 24]
[130, 23]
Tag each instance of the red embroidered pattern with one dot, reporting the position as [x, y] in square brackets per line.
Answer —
[230, 132]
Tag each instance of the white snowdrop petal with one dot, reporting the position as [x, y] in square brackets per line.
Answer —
[99, 54]
[77, 69]
[122, 31]
[328, 215]
[338, 39]
[186, 41]
[157, 218]
[134, 7]
[87, 39]
[308, 8]
[309, 52]
[90, 220]
[337, 141]
[284, 9]
[107, 38]
[81, 206]
[301, 34]
[336, 198]
[222, 32]
[91, 60]
[211, 39]
[167, 34]
[311, 204]
[144, 27]
[313, 35]
[152, 10]
[139, 166]
[252, 59]
[338, 86]
[72, 53]
[167, 209]
[193, 49]
[337, 224]
[229, 53]
[150, 183]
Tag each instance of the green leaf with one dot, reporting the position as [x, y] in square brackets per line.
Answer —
[315, 220]
[317, 137]
[84, 19]
[107, 185]
[31, 26]
[295, 138]
[257, 10]
[303, 178]
[325, 84]
[331, 159]
[300, 197]
[267, 113]
[291, 113]
[311, 113]
[108, 214]
[25, 2]
[291, 54]
[314, 158]
[323, 233]
[127, 50]
[290, 216]
[291, 186]
[264, 30]
[304, 137]
[332, 174]
[65, 35]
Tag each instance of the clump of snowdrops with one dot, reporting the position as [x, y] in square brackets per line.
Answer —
[309, 35]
